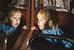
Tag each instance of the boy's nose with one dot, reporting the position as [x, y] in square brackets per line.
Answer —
[17, 20]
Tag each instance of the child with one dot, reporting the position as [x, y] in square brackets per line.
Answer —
[10, 28]
[12, 21]
[48, 24]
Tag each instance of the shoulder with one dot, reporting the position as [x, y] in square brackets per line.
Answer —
[59, 31]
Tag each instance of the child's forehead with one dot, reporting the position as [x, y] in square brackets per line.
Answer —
[17, 14]
[14, 12]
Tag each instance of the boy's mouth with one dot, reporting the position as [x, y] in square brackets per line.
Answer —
[16, 24]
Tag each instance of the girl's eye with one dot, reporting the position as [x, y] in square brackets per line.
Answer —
[41, 20]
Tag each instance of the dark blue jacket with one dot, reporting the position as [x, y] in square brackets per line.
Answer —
[7, 29]
[58, 32]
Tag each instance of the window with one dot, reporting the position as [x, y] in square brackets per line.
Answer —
[59, 5]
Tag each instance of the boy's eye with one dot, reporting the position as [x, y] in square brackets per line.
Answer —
[19, 18]
[14, 17]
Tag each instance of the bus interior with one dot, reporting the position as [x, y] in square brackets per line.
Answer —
[23, 40]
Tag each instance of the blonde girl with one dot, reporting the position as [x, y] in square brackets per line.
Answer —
[48, 24]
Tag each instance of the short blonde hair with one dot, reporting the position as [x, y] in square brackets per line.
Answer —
[12, 11]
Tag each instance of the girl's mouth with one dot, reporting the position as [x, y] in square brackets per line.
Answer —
[39, 26]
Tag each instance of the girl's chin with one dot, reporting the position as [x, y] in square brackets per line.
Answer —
[41, 28]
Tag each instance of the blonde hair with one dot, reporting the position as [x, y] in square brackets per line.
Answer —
[12, 11]
[49, 14]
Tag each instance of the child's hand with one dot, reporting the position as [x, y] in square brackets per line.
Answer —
[24, 27]
[34, 28]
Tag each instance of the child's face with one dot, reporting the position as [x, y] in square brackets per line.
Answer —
[15, 19]
[41, 23]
